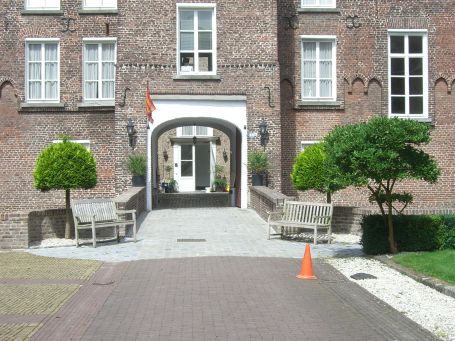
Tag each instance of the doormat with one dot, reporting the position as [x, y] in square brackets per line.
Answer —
[190, 240]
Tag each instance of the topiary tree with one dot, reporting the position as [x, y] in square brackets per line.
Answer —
[378, 154]
[66, 165]
[311, 171]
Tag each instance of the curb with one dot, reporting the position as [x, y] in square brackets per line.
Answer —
[431, 282]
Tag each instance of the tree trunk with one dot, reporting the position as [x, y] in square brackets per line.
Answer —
[68, 211]
[391, 238]
[329, 198]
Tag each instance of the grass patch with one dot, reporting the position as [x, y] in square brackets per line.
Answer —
[439, 264]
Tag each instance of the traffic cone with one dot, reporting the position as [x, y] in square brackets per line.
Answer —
[307, 267]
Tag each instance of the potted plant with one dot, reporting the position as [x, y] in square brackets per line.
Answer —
[137, 165]
[173, 186]
[219, 184]
[258, 163]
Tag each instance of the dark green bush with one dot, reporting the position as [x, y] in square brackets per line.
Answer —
[412, 233]
[446, 235]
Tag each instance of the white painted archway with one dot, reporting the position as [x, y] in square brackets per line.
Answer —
[227, 113]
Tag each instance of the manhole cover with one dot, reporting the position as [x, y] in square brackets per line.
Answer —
[190, 240]
[362, 275]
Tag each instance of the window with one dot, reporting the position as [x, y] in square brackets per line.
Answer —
[85, 143]
[194, 131]
[318, 68]
[42, 4]
[305, 144]
[42, 71]
[319, 3]
[408, 74]
[196, 40]
[100, 4]
[99, 69]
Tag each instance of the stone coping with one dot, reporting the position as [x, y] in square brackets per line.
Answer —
[269, 193]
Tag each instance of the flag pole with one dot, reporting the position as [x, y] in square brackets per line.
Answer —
[148, 184]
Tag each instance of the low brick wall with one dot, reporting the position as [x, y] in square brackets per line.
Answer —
[264, 199]
[18, 229]
[195, 199]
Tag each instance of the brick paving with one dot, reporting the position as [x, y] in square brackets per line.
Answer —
[224, 298]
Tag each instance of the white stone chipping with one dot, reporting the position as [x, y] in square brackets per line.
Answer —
[424, 305]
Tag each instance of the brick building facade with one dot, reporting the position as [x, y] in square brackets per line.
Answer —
[226, 57]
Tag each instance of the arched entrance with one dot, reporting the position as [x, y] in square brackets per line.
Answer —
[225, 113]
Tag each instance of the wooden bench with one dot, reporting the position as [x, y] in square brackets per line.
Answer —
[296, 215]
[91, 214]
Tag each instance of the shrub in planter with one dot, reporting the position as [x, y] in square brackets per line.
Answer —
[219, 184]
[137, 165]
[446, 235]
[412, 233]
[258, 164]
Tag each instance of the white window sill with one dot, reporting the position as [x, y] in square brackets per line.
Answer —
[318, 10]
[97, 104]
[42, 105]
[40, 11]
[414, 118]
[98, 11]
[196, 77]
[319, 103]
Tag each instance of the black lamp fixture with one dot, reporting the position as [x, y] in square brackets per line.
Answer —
[132, 133]
[263, 133]
[225, 155]
[194, 139]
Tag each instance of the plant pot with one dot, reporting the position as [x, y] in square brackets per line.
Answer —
[257, 179]
[138, 181]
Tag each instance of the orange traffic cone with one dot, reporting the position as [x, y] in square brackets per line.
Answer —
[307, 267]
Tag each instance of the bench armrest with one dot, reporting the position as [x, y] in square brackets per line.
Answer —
[125, 211]
[275, 215]
[91, 216]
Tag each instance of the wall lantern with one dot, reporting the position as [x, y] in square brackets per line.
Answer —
[194, 139]
[165, 155]
[225, 155]
[263, 133]
[132, 133]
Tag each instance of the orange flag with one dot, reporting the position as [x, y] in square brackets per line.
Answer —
[149, 106]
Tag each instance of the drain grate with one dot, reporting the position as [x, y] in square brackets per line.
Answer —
[362, 275]
[191, 240]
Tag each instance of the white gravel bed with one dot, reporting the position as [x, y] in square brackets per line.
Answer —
[53, 242]
[427, 307]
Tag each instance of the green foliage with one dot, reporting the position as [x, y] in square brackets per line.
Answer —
[446, 235]
[137, 164]
[412, 233]
[311, 171]
[66, 165]
[219, 184]
[173, 186]
[379, 153]
[258, 162]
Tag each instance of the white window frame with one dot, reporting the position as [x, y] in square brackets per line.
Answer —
[41, 8]
[424, 55]
[98, 41]
[180, 132]
[318, 39]
[86, 5]
[318, 4]
[305, 144]
[85, 143]
[42, 41]
[196, 7]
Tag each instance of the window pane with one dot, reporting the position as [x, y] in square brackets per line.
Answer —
[108, 54]
[309, 2]
[187, 20]
[187, 168]
[91, 53]
[415, 44]
[397, 44]
[186, 41]
[187, 62]
[415, 66]
[108, 90]
[91, 90]
[309, 69]
[309, 88]
[50, 53]
[325, 50]
[50, 90]
[416, 105]
[205, 62]
[51, 72]
[187, 151]
[205, 20]
[34, 52]
[108, 71]
[416, 85]
[205, 41]
[398, 86]
[201, 131]
[34, 90]
[325, 69]
[326, 88]
[34, 71]
[397, 66]
[187, 131]
[309, 50]
[398, 105]
[91, 71]
[326, 2]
